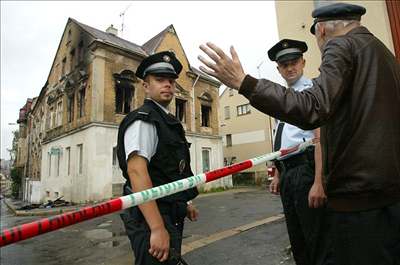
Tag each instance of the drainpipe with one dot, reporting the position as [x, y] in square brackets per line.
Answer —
[194, 123]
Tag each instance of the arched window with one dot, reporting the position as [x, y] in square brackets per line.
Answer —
[206, 101]
[124, 91]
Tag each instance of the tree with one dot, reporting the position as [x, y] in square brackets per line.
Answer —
[16, 177]
[16, 173]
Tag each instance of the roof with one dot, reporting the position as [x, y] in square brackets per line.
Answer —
[204, 75]
[151, 45]
[110, 38]
[147, 48]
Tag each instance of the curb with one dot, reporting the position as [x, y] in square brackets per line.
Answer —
[55, 211]
[186, 248]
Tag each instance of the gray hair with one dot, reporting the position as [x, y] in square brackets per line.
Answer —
[333, 25]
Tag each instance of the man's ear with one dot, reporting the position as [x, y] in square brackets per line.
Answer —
[279, 70]
[145, 85]
[321, 29]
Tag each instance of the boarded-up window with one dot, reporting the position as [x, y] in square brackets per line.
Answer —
[227, 111]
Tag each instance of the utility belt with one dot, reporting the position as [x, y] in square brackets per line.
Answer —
[176, 210]
[296, 160]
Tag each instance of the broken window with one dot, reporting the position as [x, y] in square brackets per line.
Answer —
[70, 108]
[81, 102]
[124, 91]
[206, 101]
[80, 52]
[205, 115]
[64, 61]
[72, 60]
[180, 109]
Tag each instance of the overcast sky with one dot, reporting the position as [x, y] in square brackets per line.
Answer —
[31, 31]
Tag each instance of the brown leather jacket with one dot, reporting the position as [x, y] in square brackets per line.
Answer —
[356, 102]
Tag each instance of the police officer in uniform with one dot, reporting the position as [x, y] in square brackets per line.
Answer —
[152, 151]
[298, 178]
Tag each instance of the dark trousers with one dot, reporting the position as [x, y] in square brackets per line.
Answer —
[139, 235]
[367, 237]
[303, 223]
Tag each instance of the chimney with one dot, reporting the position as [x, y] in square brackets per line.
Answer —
[112, 30]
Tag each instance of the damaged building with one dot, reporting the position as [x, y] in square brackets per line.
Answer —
[73, 123]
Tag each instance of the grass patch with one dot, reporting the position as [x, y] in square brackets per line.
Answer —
[213, 190]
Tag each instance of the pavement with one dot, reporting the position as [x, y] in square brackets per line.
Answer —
[239, 226]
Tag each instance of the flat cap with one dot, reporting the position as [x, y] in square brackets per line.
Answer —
[160, 64]
[286, 50]
[337, 11]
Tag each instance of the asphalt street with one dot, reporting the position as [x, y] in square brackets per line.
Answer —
[103, 240]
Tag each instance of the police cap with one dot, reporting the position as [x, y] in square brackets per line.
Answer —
[338, 11]
[286, 50]
[160, 64]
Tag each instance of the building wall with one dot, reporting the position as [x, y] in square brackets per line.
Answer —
[97, 129]
[214, 145]
[202, 86]
[294, 21]
[95, 181]
[251, 133]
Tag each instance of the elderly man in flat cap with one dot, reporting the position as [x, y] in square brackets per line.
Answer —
[356, 102]
[298, 178]
[152, 151]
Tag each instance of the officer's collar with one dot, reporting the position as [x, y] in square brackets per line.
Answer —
[161, 106]
[298, 83]
[169, 118]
